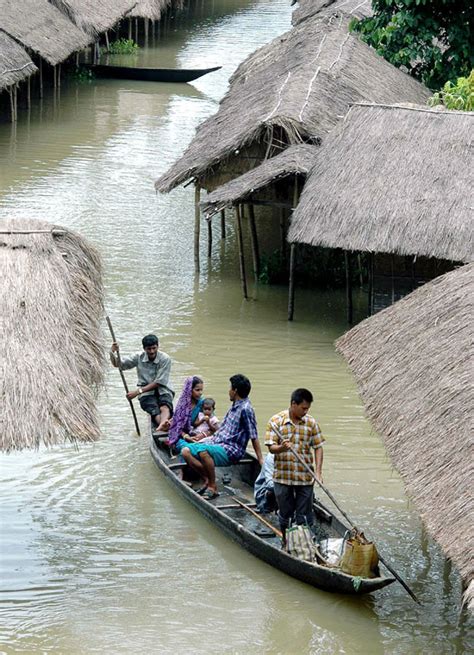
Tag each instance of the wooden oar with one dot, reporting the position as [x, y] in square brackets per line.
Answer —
[257, 516]
[125, 385]
[351, 523]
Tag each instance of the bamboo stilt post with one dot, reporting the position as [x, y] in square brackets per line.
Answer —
[291, 282]
[254, 243]
[197, 225]
[392, 266]
[145, 25]
[28, 93]
[283, 233]
[41, 78]
[370, 286]
[209, 238]
[222, 223]
[136, 30]
[240, 239]
[348, 267]
[359, 263]
[77, 59]
[107, 44]
[59, 76]
[129, 28]
[12, 104]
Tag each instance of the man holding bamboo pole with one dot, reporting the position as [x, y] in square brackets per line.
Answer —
[154, 392]
[295, 429]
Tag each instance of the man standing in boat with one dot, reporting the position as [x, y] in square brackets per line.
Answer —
[154, 392]
[229, 443]
[295, 429]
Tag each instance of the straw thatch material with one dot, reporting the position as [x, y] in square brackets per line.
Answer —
[41, 27]
[15, 64]
[308, 8]
[394, 180]
[295, 160]
[50, 345]
[94, 17]
[300, 84]
[413, 366]
[151, 9]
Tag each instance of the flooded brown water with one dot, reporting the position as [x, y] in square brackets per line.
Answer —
[98, 553]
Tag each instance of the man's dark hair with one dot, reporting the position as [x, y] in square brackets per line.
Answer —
[149, 340]
[241, 384]
[300, 395]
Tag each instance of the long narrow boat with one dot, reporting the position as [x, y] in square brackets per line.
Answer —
[150, 74]
[236, 486]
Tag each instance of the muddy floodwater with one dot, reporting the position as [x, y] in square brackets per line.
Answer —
[98, 553]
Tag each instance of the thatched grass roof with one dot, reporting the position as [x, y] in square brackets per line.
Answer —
[395, 180]
[295, 160]
[300, 84]
[92, 16]
[413, 366]
[15, 64]
[50, 343]
[307, 8]
[151, 9]
[41, 27]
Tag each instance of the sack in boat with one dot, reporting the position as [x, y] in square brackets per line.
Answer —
[299, 542]
[360, 557]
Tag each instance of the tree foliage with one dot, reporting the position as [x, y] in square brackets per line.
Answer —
[456, 96]
[430, 38]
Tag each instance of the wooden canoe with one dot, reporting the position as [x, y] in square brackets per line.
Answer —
[244, 528]
[150, 74]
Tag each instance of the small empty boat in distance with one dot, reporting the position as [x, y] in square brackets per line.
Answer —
[180, 75]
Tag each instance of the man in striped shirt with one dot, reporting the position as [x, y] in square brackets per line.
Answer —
[293, 485]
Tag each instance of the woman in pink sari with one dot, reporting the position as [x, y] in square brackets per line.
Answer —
[186, 412]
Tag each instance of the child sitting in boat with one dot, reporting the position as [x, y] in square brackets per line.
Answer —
[207, 422]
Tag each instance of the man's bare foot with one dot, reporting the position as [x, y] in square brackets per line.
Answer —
[164, 426]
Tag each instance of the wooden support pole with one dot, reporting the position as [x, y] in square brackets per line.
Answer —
[370, 285]
[348, 266]
[197, 224]
[59, 76]
[291, 282]
[107, 44]
[254, 242]
[145, 24]
[41, 78]
[12, 104]
[209, 237]
[77, 59]
[28, 93]
[359, 264]
[136, 30]
[243, 279]
[392, 267]
[129, 28]
[283, 232]
[222, 223]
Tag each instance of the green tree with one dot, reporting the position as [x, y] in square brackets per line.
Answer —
[456, 96]
[430, 38]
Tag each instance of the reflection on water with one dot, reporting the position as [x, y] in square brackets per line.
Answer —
[98, 554]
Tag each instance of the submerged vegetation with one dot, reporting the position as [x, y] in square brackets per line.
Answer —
[122, 47]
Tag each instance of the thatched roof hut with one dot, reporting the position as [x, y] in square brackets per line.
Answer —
[15, 64]
[295, 160]
[294, 89]
[50, 345]
[392, 179]
[151, 9]
[37, 25]
[413, 365]
[94, 17]
[308, 8]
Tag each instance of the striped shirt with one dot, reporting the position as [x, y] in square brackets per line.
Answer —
[237, 427]
[303, 435]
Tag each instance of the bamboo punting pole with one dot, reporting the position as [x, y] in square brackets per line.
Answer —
[254, 242]
[197, 224]
[291, 283]
[348, 267]
[222, 223]
[243, 279]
